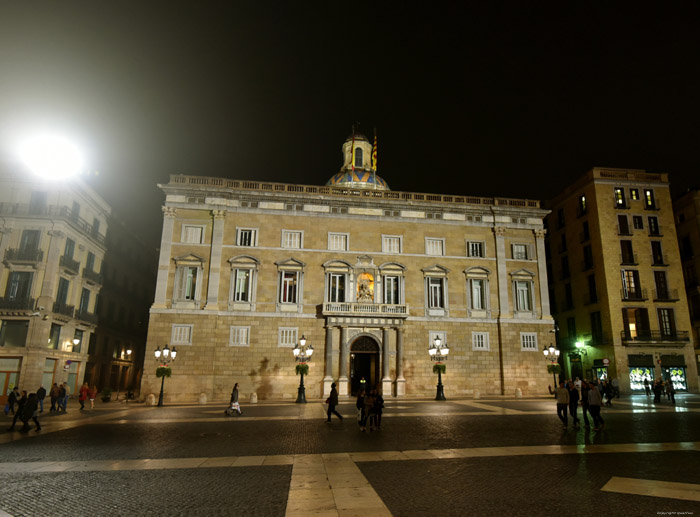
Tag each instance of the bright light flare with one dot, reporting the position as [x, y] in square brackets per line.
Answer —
[52, 157]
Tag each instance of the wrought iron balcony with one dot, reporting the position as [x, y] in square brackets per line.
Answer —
[24, 255]
[641, 336]
[70, 264]
[88, 317]
[92, 276]
[62, 308]
[365, 309]
[634, 294]
[17, 304]
[666, 295]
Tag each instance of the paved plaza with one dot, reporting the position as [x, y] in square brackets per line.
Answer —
[494, 456]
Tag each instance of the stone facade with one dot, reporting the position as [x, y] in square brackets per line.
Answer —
[369, 276]
[616, 279]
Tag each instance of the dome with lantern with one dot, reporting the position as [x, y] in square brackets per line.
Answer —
[358, 170]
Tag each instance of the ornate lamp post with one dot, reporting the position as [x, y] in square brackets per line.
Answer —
[438, 352]
[302, 354]
[553, 367]
[163, 371]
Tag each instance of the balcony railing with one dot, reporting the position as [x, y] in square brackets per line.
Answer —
[18, 304]
[23, 255]
[92, 276]
[636, 294]
[62, 308]
[365, 309]
[70, 264]
[653, 335]
[666, 295]
[629, 259]
[55, 211]
[88, 317]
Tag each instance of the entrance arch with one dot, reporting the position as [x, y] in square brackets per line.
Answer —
[364, 363]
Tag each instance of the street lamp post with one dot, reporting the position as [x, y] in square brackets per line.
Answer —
[552, 354]
[302, 354]
[165, 357]
[438, 352]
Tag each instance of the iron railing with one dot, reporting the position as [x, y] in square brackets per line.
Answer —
[368, 309]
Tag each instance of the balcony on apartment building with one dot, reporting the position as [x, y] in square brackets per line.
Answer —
[53, 212]
[639, 336]
[365, 309]
[87, 317]
[24, 256]
[62, 308]
[666, 295]
[13, 303]
[634, 294]
[70, 265]
[92, 276]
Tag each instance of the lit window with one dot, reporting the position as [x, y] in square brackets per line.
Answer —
[620, 197]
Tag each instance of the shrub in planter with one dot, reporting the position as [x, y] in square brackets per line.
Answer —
[106, 394]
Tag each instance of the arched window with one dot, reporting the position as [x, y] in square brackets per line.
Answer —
[358, 157]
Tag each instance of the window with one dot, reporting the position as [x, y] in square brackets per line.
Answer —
[338, 241]
[29, 243]
[634, 194]
[477, 291]
[587, 257]
[662, 292]
[49, 369]
[560, 218]
[436, 293]
[19, 285]
[90, 262]
[75, 212]
[627, 253]
[391, 243]
[243, 277]
[181, 334]
[187, 283]
[289, 280]
[623, 226]
[480, 341]
[520, 251]
[620, 198]
[95, 226]
[288, 336]
[630, 284]
[37, 203]
[596, 328]
[239, 336]
[192, 234]
[528, 341]
[246, 237]
[592, 289]
[84, 301]
[667, 323]
[434, 246]
[582, 205]
[571, 329]
[62, 292]
[241, 287]
[657, 255]
[391, 290]
[336, 287]
[649, 201]
[54, 336]
[654, 225]
[638, 222]
[475, 249]
[292, 239]
[562, 245]
[13, 333]
[523, 295]
[70, 248]
[358, 157]
[568, 297]
[565, 273]
[586, 234]
[78, 334]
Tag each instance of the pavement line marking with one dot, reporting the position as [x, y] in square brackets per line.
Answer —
[314, 460]
[489, 407]
[653, 488]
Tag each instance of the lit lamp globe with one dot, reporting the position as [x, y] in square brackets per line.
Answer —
[51, 157]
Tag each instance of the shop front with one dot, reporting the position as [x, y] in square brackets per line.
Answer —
[641, 368]
[673, 368]
[600, 369]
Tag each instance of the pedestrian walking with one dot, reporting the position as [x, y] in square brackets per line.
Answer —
[594, 403]
[562, 395]
[671, 392]
[668, 389]
[607, 391]
[657, 389]
[20, 406]
[66, 396]
[378, 407]
[55, 393]
[574, 398]
[584, 403]
[12, 399]
[83, 395]
[332, 403]
[615, 388]
[647, 389]
[369, 409]
[29, 412]
[361, 414]
[93, 395]
[41, 395]
[233, 403]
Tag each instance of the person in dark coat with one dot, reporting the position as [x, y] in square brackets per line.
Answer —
[584, 403]
[54, 394]
[20, 407]
[573, 403]
[234, 399]
[41, 395]
[29, 412]
[361, 413]
[378, 407]
[658, 388]
[332, 403]
[12, 399]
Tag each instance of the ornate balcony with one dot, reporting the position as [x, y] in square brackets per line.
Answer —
[87, 317]
[643, 336]
[73, 266]
[633, 295]
[364, 309]
[27, 256]
[92, 276]
[62, 308]
[16, 304]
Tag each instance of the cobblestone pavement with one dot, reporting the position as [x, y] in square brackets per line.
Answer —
[461, 457]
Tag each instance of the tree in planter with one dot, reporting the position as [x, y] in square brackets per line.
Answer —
[554, 369]
[106, 394]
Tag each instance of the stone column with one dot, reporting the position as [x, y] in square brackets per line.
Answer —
[542, 273]
[217, 240]
[502, 273]
[328, 379]
[53, 254]
[400, 380]
[343, 381]
[166, 243]
[386, 380]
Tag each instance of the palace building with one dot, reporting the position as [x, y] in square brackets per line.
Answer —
[368, 275]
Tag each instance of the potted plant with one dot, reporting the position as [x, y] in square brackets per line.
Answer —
[106, 394]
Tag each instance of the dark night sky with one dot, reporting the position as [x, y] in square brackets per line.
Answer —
[485, 98]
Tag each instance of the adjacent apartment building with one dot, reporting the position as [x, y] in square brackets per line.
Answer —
[616, 283]
[370, 277]
[52, 244]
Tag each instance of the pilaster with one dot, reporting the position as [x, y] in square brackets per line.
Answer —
[217, 240]
[164, 259]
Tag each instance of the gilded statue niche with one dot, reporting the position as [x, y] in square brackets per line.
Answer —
[365, 287]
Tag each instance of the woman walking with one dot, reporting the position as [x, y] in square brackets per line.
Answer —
[378, 406]
[234, 405]
[84, 392]
[93, 395]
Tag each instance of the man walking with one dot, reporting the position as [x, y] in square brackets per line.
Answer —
[594, 402]
[41, 395]
[562, 395]
[584, 404]
[332, 403]
[54, 394]
[12, 399]
[573, 403]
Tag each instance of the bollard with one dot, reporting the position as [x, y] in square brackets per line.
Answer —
[518, 393]
[253, 398]
[151, 400]
[202, 398]
[477, 394]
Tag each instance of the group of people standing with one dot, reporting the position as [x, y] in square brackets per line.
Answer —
[589, 394]
[659, 388]
[369, 409]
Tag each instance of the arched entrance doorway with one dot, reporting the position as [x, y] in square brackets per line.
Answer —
[364, 364]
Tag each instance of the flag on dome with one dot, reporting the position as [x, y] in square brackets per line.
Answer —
[374, 152]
